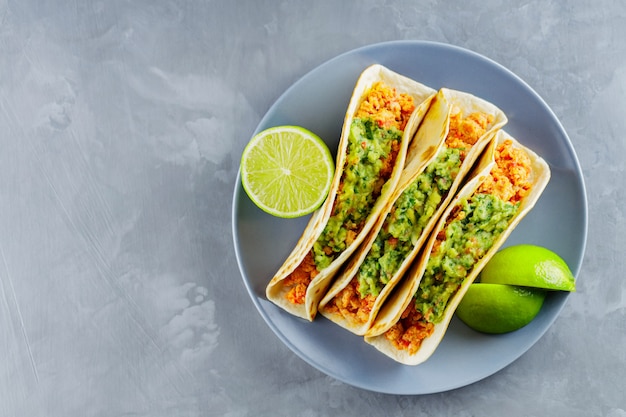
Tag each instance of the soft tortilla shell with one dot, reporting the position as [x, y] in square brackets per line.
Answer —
[275, 291]
[540, 178]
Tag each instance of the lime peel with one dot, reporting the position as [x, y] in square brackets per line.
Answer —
[499, 308]
[529, 266]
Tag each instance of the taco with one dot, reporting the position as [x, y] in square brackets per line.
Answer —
[382, 116]
[505, 185]
[454, 132]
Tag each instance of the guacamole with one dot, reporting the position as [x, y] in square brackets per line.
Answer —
[406, 221]
[370, 159]
[465, 240]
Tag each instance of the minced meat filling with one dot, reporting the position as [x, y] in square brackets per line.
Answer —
[465, 131]
[388, 108]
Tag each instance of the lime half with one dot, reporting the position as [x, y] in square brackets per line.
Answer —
[498, 308]
[529, 266]
[287, 171]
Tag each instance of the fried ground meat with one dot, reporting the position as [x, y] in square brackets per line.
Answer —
[300, 279]
[465, 131]
[509, 180]
[386, 106]
[348, 303]
[409, 332]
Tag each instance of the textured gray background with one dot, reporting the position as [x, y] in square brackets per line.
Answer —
[121, 127]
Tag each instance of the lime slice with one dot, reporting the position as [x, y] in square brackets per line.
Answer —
[497, 308]
[529, 266]
[287, 171]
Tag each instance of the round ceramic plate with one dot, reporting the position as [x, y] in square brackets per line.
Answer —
[318, 102]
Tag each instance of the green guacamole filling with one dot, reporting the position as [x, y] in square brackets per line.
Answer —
[368, 147]
[406, 221]
[467, 239]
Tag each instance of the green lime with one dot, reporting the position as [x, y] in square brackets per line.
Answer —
[287, 171]
[498, 308]
[529, 266]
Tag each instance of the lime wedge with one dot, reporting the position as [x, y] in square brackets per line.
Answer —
[497, 308]
[529, 266]
[287, 171]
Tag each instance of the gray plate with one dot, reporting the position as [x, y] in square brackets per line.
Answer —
[558, 221]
